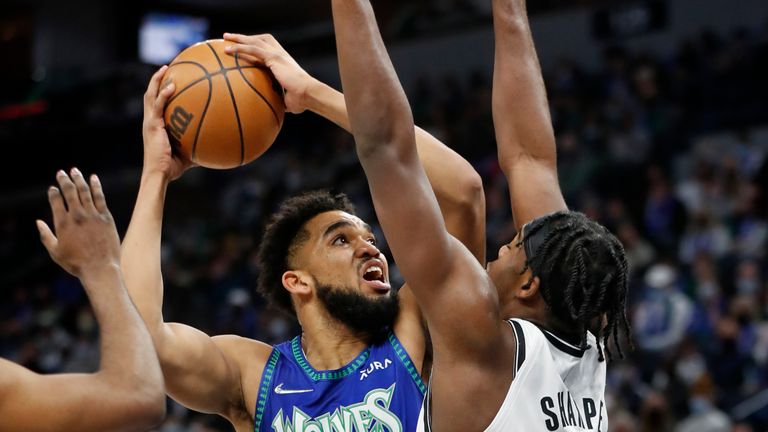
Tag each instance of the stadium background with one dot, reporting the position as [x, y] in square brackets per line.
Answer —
[661, 116]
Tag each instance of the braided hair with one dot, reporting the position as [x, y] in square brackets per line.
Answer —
[583, 272]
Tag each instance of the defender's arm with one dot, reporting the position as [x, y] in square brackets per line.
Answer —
[526, 141]
[128, 388]
[443, 274]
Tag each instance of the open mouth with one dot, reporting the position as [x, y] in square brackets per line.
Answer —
[373, 275]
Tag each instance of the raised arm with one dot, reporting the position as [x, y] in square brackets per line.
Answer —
[201, 372]
[458, 187]
[526, 141]
[128, 388]
[446, 279]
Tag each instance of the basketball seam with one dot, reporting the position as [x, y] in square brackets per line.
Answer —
[202, 119]
[234, 103]
[208, 75]
[240, 69]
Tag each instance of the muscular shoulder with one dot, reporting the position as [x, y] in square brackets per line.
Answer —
[249, 356]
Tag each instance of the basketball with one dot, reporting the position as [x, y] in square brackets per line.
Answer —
[225, 112]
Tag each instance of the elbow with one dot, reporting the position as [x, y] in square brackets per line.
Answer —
[144, 399]
[472, 204]
[467, 195]
[386, 143]
[388, 129]
[153, 406]
[471, 196]
[149, 408]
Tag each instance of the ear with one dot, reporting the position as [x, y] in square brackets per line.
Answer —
[297, 282]
[531, 288]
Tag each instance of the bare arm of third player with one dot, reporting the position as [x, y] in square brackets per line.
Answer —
[221, 374]
[126, 394]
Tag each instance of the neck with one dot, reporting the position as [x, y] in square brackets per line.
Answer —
[535, 311]
[531, 309]
[327, 343]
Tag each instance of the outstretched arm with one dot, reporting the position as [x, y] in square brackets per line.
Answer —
[128, 388]
[526, 141]
[446, 279]
[200, 372]
[458, 187]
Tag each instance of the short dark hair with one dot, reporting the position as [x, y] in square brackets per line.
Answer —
[284, 235]
[583, 274]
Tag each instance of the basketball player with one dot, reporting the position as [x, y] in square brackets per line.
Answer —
[563, 278]
[127, 393]
[357, 364]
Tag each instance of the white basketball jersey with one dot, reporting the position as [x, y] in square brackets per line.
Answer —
[557, 386]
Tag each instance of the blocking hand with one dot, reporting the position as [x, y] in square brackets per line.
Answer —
[86, 239]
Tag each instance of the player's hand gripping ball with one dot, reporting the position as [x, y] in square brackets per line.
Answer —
[225, 112]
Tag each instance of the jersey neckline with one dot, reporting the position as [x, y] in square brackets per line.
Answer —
[316, 375]
[560, 343]
[563, 345]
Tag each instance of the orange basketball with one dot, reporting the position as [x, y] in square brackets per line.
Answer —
[225, 112]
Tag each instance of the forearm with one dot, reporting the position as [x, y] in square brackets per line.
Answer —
[379, 113]
[520, 107]
[327, 102]
[524, 134]
[141, 252]
[127, 352]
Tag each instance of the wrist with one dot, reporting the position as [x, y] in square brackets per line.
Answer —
[98, 275]
[314, 98]
[154, 176]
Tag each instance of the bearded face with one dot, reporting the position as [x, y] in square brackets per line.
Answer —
[361, 313]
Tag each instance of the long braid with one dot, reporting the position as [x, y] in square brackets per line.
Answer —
[583, 272]
[617, 253]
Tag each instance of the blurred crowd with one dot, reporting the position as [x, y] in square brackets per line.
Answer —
[670, 153]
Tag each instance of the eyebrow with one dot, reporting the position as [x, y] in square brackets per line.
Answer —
[342, 224]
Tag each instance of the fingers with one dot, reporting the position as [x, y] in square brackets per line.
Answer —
[46, 236]
[154, 86]
[256, 61]
[57, 204]
[83, 191]
[251, 53]
[255, 49]
[69, 191]
[98, 194]
[236, 37]
[162, 98]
